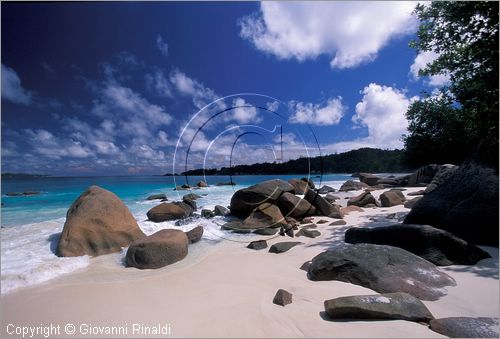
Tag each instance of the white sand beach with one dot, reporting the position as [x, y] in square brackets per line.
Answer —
[227, 291]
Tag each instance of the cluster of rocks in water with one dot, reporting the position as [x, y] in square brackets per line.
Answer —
[456, 210]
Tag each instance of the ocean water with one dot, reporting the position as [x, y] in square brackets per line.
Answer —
[31, 225]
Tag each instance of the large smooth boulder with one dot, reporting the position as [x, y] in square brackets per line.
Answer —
[466, 327]
[160, 249]
[412, 202]
[369, 179]
[97, 222]
[442, 174]
[299, 186]
[466, 204]
[245, 200]
[392, 198]
[295, 207]
[169, 211]
[351, 185]
[322, 205]
[437, 246]
[263, 216]
[422, 176]
[397, 305]
[368, 265]
[362, 200]
[309, 181]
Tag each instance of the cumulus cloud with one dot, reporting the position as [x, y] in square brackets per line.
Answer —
[422, 60]
[315, 114]
[242, 114]
[46, 144]
[157, 83]
[162, 45]
[349, 32]
[11, 87]
[382, 110]
[185, 85]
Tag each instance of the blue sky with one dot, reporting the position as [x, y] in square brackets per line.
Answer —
[119, 88]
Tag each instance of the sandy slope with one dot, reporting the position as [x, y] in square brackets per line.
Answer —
[227, 291]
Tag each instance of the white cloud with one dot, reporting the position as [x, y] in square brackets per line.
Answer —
[382, 110]
[158, 84]
[124, 99]
[244, 115]
[349, 32]
[162, 45]
[12, 89]
[316, 114]
[46, 144]
[421, 61]
[185, 85]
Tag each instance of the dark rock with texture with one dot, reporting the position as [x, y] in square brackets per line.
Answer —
[437, 246]
[362, 200]
[338, 223]
[308, 233]
[369, 179]
[97, 222]
[266, 231]
[293, 206]
[195, 234]
[351, 185]
[163, 248]
[323, 206]
[282, 298]
[221, 210]
[466, 204]
[160, 196]
[205, 213]
[257, 245]
[392, 198]
[466, 327]
[411, 203]
[326, 189]
[245, 200]
[442, 174]
[367, 265]
[388, 306]
[191, 196]
[284, 246]
[263, 216]
[300, 186]
[169, 211]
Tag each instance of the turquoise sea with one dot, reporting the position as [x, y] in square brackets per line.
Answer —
[31, 224]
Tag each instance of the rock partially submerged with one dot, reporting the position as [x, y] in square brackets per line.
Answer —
[195, 234]
[388, 306]
[169, 211]
[161, 196]
[257, 245]
[97, 222]
[437, 246]
[367, 265]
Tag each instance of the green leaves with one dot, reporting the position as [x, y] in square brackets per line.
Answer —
[465, 35]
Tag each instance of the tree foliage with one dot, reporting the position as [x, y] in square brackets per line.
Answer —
[462, 120]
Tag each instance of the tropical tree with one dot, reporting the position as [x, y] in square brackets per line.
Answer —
[460, 120]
